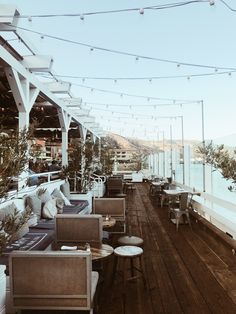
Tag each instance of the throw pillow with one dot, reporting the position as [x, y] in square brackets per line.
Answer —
[59, 194]
[35, 204]
[44, 196]
[49, 209]
[59, 204]
[65, 188]
[32, 220]
[7, 210]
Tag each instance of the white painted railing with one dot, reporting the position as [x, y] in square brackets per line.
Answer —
[219, 212]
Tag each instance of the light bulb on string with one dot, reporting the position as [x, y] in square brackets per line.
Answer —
[188, 78]
[178, 65]
[211, 2]
[229, 74]
[91, 49]
[29, 19]
[150, 80]
[216, 70]
[141, 11]
[91, 90]
[42, 37]
[83, 80]
[115, 81]
[81, 17]
[137, 58]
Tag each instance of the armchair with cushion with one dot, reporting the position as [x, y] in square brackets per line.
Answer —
[79, 229]
[52, 280]
[114, 186]
[113, 207]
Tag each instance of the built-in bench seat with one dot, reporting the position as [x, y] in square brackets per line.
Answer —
[42, 233]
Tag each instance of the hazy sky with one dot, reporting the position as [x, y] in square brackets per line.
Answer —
[197, 33]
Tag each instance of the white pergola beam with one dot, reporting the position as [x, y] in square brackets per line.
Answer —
[59, 87]
[38, 63]
[9, 14]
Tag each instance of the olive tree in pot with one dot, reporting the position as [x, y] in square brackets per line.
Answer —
[15, 152]
[222, 160]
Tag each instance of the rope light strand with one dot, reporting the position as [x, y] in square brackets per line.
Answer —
[115, 79]
[132, 115]
[133, 105]
[183, 101]
[113, 51]
[83, 14]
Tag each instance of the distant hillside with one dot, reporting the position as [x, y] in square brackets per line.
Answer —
[131, 143]
[122, 142]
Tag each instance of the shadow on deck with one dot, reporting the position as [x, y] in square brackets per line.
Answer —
[189, 271]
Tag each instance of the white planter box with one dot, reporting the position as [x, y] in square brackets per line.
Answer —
[84, 197]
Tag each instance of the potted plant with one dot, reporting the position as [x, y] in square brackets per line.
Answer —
[222, 160]
[11, 226]
[15, 153]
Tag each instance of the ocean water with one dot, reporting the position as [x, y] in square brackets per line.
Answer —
[219, 185]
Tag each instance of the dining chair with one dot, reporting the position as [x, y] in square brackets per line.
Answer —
[182, 211]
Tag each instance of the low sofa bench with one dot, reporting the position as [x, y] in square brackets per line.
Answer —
[40, 235]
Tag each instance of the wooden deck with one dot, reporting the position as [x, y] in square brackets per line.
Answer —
[190, 271]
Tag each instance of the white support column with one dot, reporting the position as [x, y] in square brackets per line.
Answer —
[65, 120]
[24, 94]
[83, 132]
[187, 165]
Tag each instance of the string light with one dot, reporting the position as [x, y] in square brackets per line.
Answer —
[141, 10]
[150, 79]
[138, 105]
[132, 95]
[127, 53]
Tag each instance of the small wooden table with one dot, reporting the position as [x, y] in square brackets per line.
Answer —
[98, 253]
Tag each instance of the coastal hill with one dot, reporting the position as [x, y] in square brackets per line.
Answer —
[131, 143]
